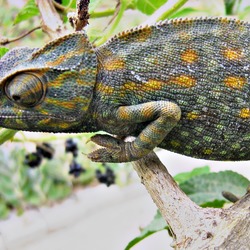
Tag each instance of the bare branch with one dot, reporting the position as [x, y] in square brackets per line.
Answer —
[4, 41]
[194, 227]
[80, 19]
[51, 21]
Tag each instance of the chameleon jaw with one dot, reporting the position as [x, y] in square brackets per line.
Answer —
[30, 121]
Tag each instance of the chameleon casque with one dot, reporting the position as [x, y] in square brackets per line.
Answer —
[182, 85]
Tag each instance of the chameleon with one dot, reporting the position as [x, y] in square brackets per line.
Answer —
[182, 85]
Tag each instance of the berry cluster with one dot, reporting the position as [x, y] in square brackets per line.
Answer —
[107, 178]
[75, 168]
[34, 159]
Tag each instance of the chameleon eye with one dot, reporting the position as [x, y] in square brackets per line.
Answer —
[25, 89]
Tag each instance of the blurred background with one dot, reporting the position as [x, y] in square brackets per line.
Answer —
[51, 196]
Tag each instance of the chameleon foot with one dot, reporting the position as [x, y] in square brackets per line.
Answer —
[113, 151]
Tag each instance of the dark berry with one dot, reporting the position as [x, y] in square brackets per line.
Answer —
[33, 160]
[71, 146]
[107, 178]
[75, 169]
[58, 1]
[45, 150]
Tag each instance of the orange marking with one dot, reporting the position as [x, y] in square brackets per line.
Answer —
[109, 90]
[184, 36]
[235, 82]
[175, 144]
[152, 85]
[148, 110]
[64, 104]
[189, 56]
[208, 151]
[60, 59]
[114, 63]
[123, 114]
[59, 81]
[144, 34]
[245, 113]
[192, 115]
[183, 81]
[232, 54]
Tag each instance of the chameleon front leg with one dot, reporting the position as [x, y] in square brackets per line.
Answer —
[164, 115]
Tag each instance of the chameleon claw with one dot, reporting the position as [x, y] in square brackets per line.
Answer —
[106, 141]
[104, 155]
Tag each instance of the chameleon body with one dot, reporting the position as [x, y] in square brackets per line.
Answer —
[182, 85]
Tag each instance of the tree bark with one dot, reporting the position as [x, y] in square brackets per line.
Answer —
[194, 227]
[52, 24]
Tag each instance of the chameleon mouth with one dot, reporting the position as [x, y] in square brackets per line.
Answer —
[24, 115]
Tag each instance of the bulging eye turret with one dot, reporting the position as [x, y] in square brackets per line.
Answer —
[25, 89]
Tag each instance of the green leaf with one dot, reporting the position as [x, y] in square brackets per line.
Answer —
[208, 187]
[245, 13]
[69, 3]
[183, 12]
[3, 51]
[148, 6]
[156, 225]
[4, 211]
[93, 5]
[28, 11]
[187, 175]
[58, 191]
[229, 6]
[6, 134]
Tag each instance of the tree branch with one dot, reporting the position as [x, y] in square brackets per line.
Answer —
[79, 19]
[51, 21]
[194, 227]
[4, 41]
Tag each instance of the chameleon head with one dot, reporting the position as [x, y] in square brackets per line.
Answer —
[48, 89]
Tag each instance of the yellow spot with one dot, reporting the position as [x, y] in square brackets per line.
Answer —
[63, 104]
[208, 151]
[192, 115]
[235, 82]
[184, 81]
[144, 34]
[175, 144]
[114, 63]
[185, 36]
[245, 113]
[144, 138]
[148, 110]
[104, 89]
[123, 114]
[152, 85]
[130, 86]
[225, 20]
[232, 54]
[189, 56]
[60, 59]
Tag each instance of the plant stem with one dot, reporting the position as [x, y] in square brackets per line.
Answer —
[172, 10]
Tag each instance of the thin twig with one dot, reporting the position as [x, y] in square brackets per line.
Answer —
[5, 41]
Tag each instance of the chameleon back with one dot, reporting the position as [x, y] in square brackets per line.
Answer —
[203, 65]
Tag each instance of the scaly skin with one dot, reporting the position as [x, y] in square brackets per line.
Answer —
[182, 85]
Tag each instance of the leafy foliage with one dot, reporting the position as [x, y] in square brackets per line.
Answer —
[207, 188]
[27, 12]
[149, 6]
[3, 51]
[180, 178]
[156, 225]
[22, 186]
[202, 187]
